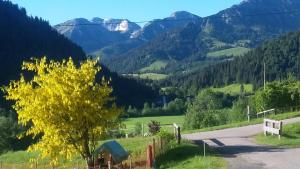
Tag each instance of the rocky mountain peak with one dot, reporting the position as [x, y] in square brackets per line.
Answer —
[183, 15]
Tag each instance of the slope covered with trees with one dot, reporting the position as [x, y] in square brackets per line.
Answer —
[281, 57]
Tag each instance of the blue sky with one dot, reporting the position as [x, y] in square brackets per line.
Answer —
[57, 11]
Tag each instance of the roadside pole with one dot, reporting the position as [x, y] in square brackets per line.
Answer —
[203, 148]
[142, 129]
[248, 113]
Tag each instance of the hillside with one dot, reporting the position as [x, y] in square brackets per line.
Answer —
[281, 56]
[24, 37]
[230, 32]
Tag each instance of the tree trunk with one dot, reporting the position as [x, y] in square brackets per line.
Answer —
[90, 162]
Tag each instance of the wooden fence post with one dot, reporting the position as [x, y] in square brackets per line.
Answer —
[153, 147]
[149, 156]
[160, 143]
[178, 135]
[109, 164]
[265, 124]
[130, 162]
[280, 130]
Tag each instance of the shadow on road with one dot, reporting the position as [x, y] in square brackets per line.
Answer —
[233, 151]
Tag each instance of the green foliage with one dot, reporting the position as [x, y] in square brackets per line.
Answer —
[174, 107]
[132, 111]
[165, 135]
[278, 94]
[154, 127]
[207, 100]
[238, 111]
[204, 111]
[138, 128]
[8, 130]
[147, 109]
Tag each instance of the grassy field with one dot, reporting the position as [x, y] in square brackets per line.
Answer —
[245, 123]
[234, 89]
[188, 156]
[290, 137]
[237, 51]
[165, 121]
[152, 76]
[20, 159]
[157, 65]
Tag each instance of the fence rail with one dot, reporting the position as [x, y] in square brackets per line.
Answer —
[273, 127]
[266, 112]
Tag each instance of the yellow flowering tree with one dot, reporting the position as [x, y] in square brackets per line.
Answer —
[64, 105]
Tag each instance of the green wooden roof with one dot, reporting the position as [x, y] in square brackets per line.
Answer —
[117, 152]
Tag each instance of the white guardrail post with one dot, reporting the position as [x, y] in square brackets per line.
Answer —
[273, 127]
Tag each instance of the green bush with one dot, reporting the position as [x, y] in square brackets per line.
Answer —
[278, 94]
[154, 127]
[137, 129]
[239, 110]
[165, 135]
[204, 111]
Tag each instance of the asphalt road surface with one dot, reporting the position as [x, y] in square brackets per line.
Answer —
[239, 149]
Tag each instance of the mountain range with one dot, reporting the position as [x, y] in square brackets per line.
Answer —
[97, 33]
[183, 41]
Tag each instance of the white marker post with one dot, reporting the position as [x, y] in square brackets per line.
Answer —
[248, 113]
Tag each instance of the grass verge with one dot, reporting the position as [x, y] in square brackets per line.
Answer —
[290, 137]
[187, 156]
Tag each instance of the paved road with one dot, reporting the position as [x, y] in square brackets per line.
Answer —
[237, 146]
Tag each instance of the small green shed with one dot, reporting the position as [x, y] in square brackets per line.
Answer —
[117, 152]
